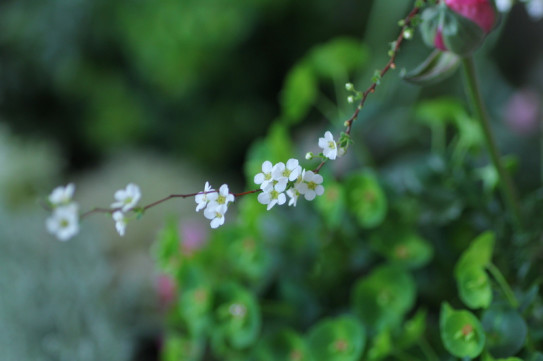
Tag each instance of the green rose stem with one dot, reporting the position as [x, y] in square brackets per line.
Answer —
[506, 289]
[506, 185]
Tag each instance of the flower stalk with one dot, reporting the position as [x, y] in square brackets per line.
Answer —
[506, 184]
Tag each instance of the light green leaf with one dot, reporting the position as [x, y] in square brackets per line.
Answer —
[298, 94]
[367, 201]
[478, 254]
[474, 287]
[337, 339]
[461, 332]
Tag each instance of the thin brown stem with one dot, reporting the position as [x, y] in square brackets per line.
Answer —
[162, 200]
[390, 65]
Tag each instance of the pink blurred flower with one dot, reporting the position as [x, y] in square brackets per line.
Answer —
[523, 111]
[166, 290]
[193, 236]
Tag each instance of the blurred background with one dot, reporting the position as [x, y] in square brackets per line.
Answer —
[168, 94]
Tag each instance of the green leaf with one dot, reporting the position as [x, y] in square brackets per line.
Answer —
[381, 346]
[166, 249]
[338, 339]
[285, 345]
[338, 57]
[332, 204]
[474, 287]
[299, 93]
[237, 318]
[478, 254]
[461, 332]
[366, 199]
[441, 110]
[437, 67]
[276, 147]
[506, 331]
[195, 298]
[402, 247]
[413, 330]
[382, 298]
[248, 257]
[177, 347]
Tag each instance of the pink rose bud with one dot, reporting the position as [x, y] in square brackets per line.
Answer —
[459, 26]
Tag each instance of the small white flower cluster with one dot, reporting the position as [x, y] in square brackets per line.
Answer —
[214, 203]
[125, 200]
[280, 178]
[64, 222]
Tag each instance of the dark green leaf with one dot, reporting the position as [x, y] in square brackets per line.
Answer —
[506, 331]
[382, 298]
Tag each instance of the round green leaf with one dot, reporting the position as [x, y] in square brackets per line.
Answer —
[236, 318]
[402, 247]
[461, 332]
[382, 298]
[506, 331]
[474, 287]
[366, 199]
[285, 345]
[337, 339]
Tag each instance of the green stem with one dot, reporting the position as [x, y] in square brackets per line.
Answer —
[506, 289]
[506, 184]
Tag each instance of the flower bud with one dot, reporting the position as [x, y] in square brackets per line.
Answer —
[459, 26]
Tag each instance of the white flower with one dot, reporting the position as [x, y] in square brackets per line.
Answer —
[127, 198]
[328, 145]
[265, 178]
[504, 5]
[311, 185]
[120, 222]
[290, 171]
[62, 195]
[216, 214]
[535, 9]
[293, 193]
[271, 198]
[279, 185]
[223, 198]
[64, 222]
[203, 198]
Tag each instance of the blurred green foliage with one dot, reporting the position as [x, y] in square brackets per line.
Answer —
[394, 261]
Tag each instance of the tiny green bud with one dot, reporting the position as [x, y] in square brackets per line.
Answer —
[349, 86]
[408, 34]
[308, 155]
[350, 99]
